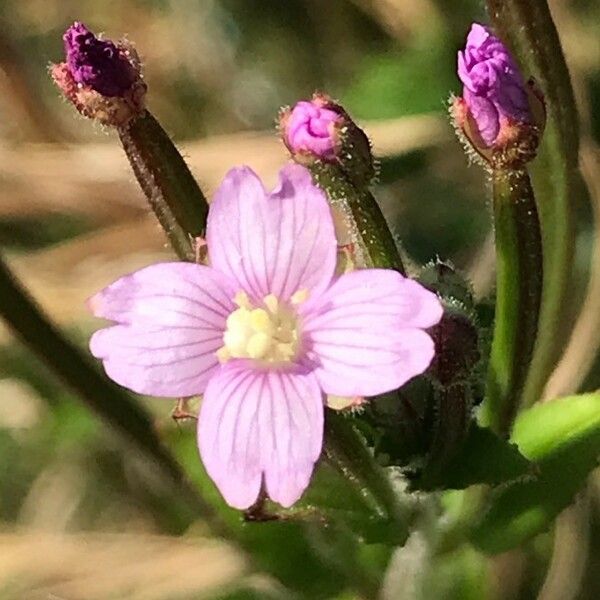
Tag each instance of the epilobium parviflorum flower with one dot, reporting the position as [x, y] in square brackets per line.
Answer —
[264, 333]
[321, 130]
[102, 79]
[500, 114]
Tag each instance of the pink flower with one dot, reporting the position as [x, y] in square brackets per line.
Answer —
[312, 128]
[264, 333]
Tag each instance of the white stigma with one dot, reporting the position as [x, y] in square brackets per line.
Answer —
[268, 334]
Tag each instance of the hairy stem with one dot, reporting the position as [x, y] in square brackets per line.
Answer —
[518, 292]
[365, 219]
[527, 26]
[169, 186]
[347, 452]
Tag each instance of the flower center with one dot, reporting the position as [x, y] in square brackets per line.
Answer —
[268, 333]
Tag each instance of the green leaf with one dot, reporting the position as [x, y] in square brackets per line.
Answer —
[346, 450]
[553, 426]
[563, 437]
[330, 490]
[338, 498]
[333, 497]
[483, 458]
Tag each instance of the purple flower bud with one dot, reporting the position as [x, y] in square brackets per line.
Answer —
[102, 79]
[321, 130]
[500, 116]
[312, 128]
[97, 63]
[494, 90]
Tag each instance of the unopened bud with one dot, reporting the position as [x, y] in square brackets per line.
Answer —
[442, 278]
[321, 130]
[500, 115]
[102, 79]
[456, 336]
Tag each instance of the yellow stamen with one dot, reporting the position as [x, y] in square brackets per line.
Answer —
[300, 296]
[271, 303]
[258, 345]
[260, 320]
[269, 334]
[242, 300]
[223, 354]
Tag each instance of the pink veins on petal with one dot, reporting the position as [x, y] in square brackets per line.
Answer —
[264, 333]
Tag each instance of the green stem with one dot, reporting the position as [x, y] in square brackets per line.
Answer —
[527, 26]
[518, 292]
[169, 186]
[366, 220]
[375, 232]
[347, 452]
[110, 402]
[344, 447]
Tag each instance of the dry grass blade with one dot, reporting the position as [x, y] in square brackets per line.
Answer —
[571, 547]
[95, 180]
[37, 565]
[65, 276]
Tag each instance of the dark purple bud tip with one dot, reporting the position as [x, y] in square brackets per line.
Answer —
[97, 63]
[102, 79]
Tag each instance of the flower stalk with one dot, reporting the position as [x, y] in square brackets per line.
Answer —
[103, 80]
[171, 190]
[369, 230]
[528, 28]
[519, 266]
[347, 452]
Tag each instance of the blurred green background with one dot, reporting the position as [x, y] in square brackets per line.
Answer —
[80, 516]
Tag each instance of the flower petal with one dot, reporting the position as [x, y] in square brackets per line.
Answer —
[364, 334]
[485, 114]
[171, 318]
[260, 423]
[272, 244]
